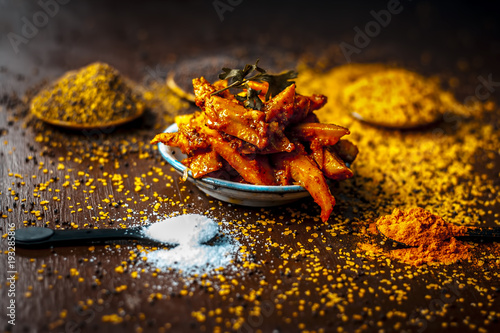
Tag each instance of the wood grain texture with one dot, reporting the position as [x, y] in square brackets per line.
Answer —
[79, 289]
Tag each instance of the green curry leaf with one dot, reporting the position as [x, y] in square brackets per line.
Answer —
[238, 78]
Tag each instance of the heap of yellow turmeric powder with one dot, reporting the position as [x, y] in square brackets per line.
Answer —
[395, 98]
[390, 97]
[94, 96]
[334, 81]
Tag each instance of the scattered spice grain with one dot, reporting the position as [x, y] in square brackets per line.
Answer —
[393, 165]
[395, 169]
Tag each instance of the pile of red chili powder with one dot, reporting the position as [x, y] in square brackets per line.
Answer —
[430, 238]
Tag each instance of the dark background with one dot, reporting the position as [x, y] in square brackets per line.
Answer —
[134, 35]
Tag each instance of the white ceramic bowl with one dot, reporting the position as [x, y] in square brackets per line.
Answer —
[232, 192]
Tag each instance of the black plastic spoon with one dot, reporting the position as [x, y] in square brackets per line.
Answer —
[36, 237]
[472, 234]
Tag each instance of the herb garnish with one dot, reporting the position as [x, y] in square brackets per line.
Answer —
[238, 79]
[251, 100]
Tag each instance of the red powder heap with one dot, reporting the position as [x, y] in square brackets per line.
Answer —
[416, 227]
[431, 238]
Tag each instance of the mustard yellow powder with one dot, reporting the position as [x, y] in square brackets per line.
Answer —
[94, 95]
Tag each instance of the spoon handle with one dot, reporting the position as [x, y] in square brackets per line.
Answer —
[36, 237]
[490, 234]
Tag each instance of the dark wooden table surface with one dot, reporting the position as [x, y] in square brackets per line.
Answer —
[322, 284]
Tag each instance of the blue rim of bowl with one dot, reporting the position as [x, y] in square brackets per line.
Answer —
[177, 165]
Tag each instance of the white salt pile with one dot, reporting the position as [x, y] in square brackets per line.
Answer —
[192, 256]
[189, 229]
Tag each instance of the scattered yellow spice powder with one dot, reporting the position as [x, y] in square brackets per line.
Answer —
[431, 168]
